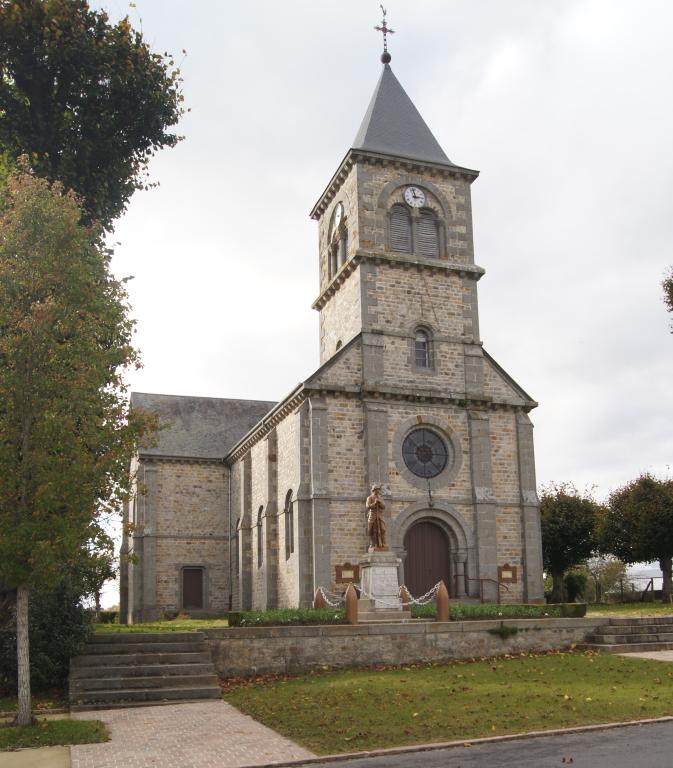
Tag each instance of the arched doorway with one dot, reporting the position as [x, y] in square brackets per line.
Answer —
[427, 561]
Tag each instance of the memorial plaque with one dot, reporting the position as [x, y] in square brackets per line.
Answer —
[507, 573]
[347, 573]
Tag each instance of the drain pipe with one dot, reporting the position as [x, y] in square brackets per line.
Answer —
[231, 592]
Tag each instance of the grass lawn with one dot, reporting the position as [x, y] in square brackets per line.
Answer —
[630, 609]
[41, 702]
[174, 625]
[355, 710]
[50, 733]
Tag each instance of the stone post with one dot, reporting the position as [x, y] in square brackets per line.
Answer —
[442, 602]
[351, 600]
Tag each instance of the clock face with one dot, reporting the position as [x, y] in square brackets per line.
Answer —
[414, 196]
[338, 215]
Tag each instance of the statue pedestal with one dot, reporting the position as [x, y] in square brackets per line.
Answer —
[378, 577]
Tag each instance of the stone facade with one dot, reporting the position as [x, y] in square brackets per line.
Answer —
[281, 506]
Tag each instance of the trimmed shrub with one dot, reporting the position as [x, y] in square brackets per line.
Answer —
[477, 611]
[287, 616]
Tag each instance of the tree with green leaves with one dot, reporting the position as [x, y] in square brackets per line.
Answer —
[87, 101]
[67, 433]
[568, 531]
[638, 526]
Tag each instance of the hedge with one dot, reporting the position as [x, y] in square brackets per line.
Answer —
[287, 616]
[476, 611]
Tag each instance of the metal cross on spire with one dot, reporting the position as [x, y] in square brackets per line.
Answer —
[385, 29]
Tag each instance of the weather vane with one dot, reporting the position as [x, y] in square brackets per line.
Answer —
[385, 29]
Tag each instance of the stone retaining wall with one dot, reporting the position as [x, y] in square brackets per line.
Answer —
[242, 652]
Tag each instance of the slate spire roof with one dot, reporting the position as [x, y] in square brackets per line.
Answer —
[393, 126]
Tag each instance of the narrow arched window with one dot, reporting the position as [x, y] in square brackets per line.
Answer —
[427, 234]
[260, 538]
[422, 349]
[400, 229]
[289, 525]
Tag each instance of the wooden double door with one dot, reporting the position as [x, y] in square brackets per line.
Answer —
[428, 560]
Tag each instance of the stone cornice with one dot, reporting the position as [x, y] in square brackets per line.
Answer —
[403, 261]
[262, 428]
[152, 458]
[405, 163]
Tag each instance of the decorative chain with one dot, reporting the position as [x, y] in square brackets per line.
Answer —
[428, 597]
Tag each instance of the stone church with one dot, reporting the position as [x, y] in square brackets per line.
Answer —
[251, 505]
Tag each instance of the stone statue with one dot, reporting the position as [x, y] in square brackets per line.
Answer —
[376, 525]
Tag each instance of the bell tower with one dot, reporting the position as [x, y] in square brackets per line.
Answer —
[396, 251]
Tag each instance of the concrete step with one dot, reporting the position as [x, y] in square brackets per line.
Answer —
[128, 659]
[146, 695]
[390, 615]
[89, 684]
[102, 649]
[638, 629]
[609, 638]
[625, 647]
[126, 704]
[105, 638]
[407, 620]
[621, 621]
[141, 670]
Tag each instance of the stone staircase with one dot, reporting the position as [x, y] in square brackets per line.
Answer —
[631, 635]
[126, 670]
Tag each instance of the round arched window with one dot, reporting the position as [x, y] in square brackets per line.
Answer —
[425, 453]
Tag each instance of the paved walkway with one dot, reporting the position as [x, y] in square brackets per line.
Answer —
[206, 734]
[43, 757]
[656, 655]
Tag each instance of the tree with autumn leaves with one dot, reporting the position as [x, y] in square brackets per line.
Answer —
[85, 104]
[65, 343]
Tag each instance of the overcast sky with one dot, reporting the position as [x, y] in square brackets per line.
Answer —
[565, 107]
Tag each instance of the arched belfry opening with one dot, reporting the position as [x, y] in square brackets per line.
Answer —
[428, 557]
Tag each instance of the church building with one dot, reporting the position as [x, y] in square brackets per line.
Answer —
[254, 505]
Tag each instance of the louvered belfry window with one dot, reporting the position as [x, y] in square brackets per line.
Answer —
[427, 235]
[400, 229]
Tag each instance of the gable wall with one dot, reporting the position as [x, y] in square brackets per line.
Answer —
[185, 524]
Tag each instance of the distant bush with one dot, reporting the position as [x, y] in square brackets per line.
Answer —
[573, 610]
[108, 617]
[476, 611]
[287, 616]
[59, 627]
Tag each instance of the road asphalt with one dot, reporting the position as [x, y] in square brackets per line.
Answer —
[636, 746]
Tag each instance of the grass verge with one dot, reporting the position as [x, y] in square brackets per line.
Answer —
[630, 609]
[173, 625]
[50, 733]
[371, 709]
[40, 702]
